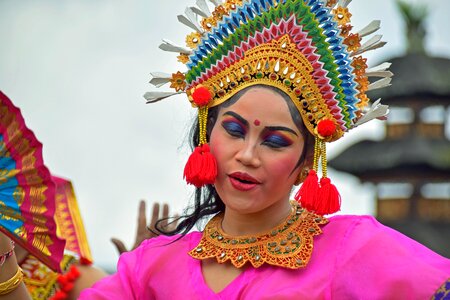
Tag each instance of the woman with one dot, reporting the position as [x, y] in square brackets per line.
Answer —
[273, 82]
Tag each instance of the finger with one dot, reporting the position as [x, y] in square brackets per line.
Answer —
[142, 219]
[165, 215]
[119, 245]
[155, 215]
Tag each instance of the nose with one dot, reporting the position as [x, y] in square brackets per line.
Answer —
[248, 155]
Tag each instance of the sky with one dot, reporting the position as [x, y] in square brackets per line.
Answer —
[78, 70]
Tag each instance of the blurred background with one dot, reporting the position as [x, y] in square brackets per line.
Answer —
[78, 70]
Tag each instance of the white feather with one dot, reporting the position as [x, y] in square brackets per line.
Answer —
[381, 67]
[193, 18]
[153, 97]
[203, 7]
[159, 78]
[172, 47]
[198, 11]
[216, 2]
[384, 74]
[344, 3]
[379, 84]
[373, 43]
[185, 21]
[371, 28]
[376, 111]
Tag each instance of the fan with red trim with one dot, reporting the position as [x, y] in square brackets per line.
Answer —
[27, 192]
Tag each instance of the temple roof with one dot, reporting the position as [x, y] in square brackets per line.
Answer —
[415, 75]
[412, 156]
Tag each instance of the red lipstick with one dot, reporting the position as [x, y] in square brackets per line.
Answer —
[242, 181]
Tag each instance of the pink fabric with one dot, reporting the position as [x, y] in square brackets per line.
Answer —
[355, 258]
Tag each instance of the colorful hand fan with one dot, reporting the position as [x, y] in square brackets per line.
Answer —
[27, 192]
[68, 219]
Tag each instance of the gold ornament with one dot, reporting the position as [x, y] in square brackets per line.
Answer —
[289, 245]
[193, 39]
[342, 15]
[178, 81]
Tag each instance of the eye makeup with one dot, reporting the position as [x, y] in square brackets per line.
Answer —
[234, 127]
[276, 140]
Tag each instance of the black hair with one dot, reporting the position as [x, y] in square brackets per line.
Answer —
[207, 201]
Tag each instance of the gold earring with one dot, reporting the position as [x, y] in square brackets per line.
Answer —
[302, 176]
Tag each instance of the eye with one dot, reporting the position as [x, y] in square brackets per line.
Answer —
[234, 129]
[276, 141]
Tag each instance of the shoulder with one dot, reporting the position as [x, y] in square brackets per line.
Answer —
[153, 251]
[368, 252]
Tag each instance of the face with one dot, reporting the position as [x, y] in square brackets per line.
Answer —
[257, 146]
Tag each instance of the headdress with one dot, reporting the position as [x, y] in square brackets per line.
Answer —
[306, 48]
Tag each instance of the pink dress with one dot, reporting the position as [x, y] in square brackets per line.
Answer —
[355, 258]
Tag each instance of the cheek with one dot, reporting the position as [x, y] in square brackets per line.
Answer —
[284, 166]
[217, 145]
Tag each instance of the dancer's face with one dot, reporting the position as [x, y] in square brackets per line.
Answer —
[257, 146]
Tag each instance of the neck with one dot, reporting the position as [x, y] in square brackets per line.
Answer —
[238, 224]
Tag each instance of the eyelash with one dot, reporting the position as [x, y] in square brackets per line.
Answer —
[271, 140]
[234, 129]
[276, 141]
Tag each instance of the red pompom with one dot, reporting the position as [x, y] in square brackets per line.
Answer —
[326, 128]
[307, 194]
[201, 167]
[201, 96]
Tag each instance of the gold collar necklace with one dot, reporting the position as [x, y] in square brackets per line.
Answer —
[288, 245]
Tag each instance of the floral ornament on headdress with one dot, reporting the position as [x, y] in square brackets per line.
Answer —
[303, 47]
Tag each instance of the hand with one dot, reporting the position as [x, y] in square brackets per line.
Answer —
[143, 232]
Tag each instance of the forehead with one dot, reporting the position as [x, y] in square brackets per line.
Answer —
[263, 104]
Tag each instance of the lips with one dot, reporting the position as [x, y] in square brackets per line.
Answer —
[243, 181]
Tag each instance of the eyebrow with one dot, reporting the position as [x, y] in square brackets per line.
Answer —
[281, 128]
[270, 128]
[240, 119]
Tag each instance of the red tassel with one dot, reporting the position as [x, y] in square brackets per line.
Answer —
[201, 167]
[307, 194]
[329, 199]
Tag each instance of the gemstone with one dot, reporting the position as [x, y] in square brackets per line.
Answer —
[290, 236]
[274, 232]
[257, 257]
[199, 249]
[277, 249]
[252, 240]
[287, 82]
[239, 258]
[311, 230]
[298, 92]
[222, 255]
[247, 77]
[221, 93]
[290, 221]
[299, 262]
[259, 75]
[273, 76]
[305, 103]
[233, 84]
[273, 244]
[288, 249]
[234, 242]
[318, 220]
[283, 243]
[220, 238]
